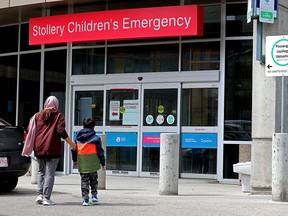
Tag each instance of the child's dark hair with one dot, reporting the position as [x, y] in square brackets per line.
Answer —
[88, 123]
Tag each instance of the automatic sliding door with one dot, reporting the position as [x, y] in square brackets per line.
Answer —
[122, 120]
[199, 132]
[87, 103]
[160, 115]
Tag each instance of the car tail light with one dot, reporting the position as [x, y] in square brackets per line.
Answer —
[25, 135]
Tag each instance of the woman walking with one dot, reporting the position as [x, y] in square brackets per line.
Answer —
[46, 129]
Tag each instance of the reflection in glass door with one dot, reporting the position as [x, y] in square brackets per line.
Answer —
[87, 103]
[160, 115]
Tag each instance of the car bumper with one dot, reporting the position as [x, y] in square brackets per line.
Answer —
[17, 164]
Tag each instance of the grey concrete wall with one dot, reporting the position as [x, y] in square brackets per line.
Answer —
[244, 152]
[266, 108]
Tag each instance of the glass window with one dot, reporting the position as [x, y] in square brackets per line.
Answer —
[57, 10]
[160, 107]
[55, 83]
[90, 7]
[212, 22]
[200, 56]
[24, 40]
[121, 158]
[238, 90]
[231, 156]
[8, 87]
[122, 107]
[148, 58]
[9, 39]
[199, 160]
[127, 4]
[88, 61]
[29, 87]
[89, 104]
[200, 107]
[55, 76]
[236, 21]
[150, 159]
[143, 40]
[200, 1]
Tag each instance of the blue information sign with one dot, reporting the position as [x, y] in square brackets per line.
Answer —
[124, 139]
[199, 140]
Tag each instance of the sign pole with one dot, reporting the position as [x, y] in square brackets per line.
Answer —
[282, 105]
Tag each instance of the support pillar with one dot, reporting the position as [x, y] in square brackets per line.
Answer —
[169, 164]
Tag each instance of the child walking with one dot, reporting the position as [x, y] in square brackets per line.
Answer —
[90, 155]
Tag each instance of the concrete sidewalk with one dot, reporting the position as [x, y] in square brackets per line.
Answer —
[140, 196]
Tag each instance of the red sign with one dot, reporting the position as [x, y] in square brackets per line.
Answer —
[117, 24]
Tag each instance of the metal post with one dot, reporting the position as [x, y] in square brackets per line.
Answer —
[282, 104]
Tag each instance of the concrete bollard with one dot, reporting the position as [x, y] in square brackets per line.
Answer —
[101, 173]
[169, 164]
[34, 171]
[280, 167]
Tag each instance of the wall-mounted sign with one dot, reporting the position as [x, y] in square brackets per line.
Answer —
[160, 119]
[199, 140]
[114, 111]
[151, 139]
[276, 63]
[161, 109]
[117, 24]
[266, 11]
[170, 119]
[149, 119]
[124, 139]
[131, 113]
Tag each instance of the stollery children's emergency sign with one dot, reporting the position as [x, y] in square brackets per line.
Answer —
[117, 24]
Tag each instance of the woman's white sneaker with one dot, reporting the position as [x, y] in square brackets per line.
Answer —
[48, 202]
[39, 199]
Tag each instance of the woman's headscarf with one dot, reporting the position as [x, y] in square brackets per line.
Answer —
[51, 103]
[50, 108]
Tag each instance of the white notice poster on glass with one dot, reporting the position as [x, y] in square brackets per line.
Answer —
[114, 110]
[131, 111]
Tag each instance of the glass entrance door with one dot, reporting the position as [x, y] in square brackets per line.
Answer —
[160, 106]
[133, 116]
[199, 130]
[122, 120]
[88, 102]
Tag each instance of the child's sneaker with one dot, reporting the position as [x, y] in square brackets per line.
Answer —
[86, 202]
[94, 198]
